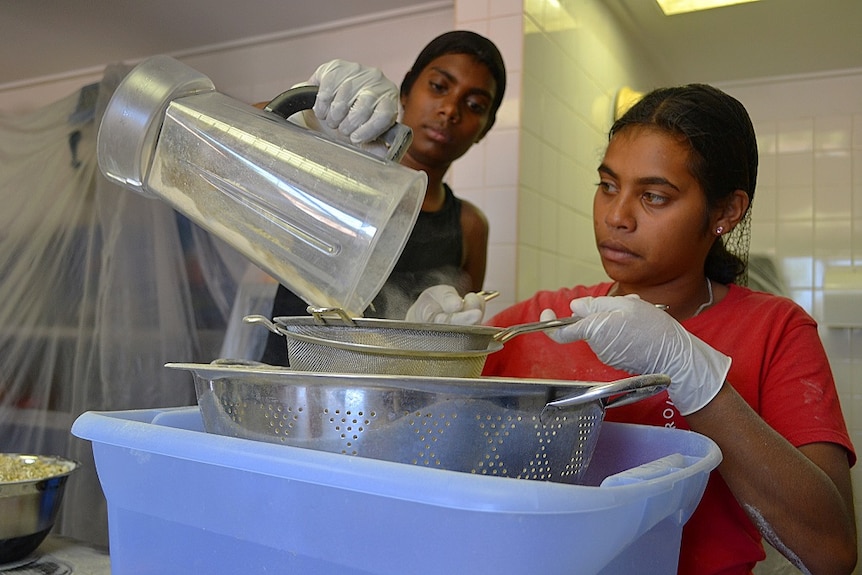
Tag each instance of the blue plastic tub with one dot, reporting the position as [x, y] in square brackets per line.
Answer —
[183, 501]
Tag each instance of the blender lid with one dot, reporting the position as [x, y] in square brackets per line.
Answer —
[133, 118]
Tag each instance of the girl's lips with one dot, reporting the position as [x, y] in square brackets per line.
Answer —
[615, 252]
[437, 135]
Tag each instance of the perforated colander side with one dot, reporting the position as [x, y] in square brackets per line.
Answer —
[588, 422]
[514, 445]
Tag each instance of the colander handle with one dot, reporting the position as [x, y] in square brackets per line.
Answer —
[613, 394]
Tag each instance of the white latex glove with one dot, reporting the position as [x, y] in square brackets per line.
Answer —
[359, 102]
[443, 304]
[635, 336]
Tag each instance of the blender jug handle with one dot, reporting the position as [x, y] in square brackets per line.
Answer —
[292, 101]
[396, 139]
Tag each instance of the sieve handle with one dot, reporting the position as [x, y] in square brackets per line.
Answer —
[508, 333]
[320, 315]
[264, 321]
[505, 335]
[488, 295]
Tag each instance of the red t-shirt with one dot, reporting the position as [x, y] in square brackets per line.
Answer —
[779, 367]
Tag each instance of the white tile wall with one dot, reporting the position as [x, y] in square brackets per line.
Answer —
[810, 212]
[575, 60]
[488, 174]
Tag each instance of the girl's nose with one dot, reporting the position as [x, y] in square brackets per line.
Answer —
[450, 110]
[619, 212]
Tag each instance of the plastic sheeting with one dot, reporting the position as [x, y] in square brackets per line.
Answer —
[99, 288]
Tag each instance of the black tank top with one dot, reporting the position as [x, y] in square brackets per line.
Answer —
[432, 255]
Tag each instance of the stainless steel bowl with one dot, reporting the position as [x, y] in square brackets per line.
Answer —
[29, 502]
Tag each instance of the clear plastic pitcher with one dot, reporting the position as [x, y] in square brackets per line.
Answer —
[326, 219]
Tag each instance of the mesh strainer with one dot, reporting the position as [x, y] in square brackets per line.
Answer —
[393, 347]
[501, 426]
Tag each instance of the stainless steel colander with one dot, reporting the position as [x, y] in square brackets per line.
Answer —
[527, 429]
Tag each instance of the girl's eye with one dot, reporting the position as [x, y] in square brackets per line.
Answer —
[437, 87]
[606, 186]
[654, 199]
[477, 107]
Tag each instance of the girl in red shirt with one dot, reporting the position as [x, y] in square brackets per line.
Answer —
[747, 369]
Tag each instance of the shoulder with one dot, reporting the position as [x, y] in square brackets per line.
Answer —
[772, 340]
[473, 220]
[747, 320]
[759, 305]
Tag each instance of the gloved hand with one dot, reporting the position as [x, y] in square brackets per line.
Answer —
[358, 102]
[443, 304]
[630, 334]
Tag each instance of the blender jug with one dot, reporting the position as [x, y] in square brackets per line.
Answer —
[326, 219]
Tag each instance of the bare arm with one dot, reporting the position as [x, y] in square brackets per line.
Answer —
[474, 226]
[800, 499]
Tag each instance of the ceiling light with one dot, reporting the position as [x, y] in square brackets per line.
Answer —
[625, 99]
[671, 7]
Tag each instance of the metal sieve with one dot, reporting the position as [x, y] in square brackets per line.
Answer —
[360, 345]
[527, 429]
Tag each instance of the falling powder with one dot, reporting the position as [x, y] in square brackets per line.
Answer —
[773, 539]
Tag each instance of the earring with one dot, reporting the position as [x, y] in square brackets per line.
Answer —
[719, 230]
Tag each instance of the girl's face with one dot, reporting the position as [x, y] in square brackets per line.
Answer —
[649, 212]
[448, 108]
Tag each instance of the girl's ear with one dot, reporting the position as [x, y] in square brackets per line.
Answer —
[733, 211]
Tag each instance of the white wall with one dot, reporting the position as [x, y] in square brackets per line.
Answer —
[261, 69]
[261, 72]
[575, 61]
[807, 211]
[488, 174]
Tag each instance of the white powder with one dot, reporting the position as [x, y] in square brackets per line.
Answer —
[773, 539]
